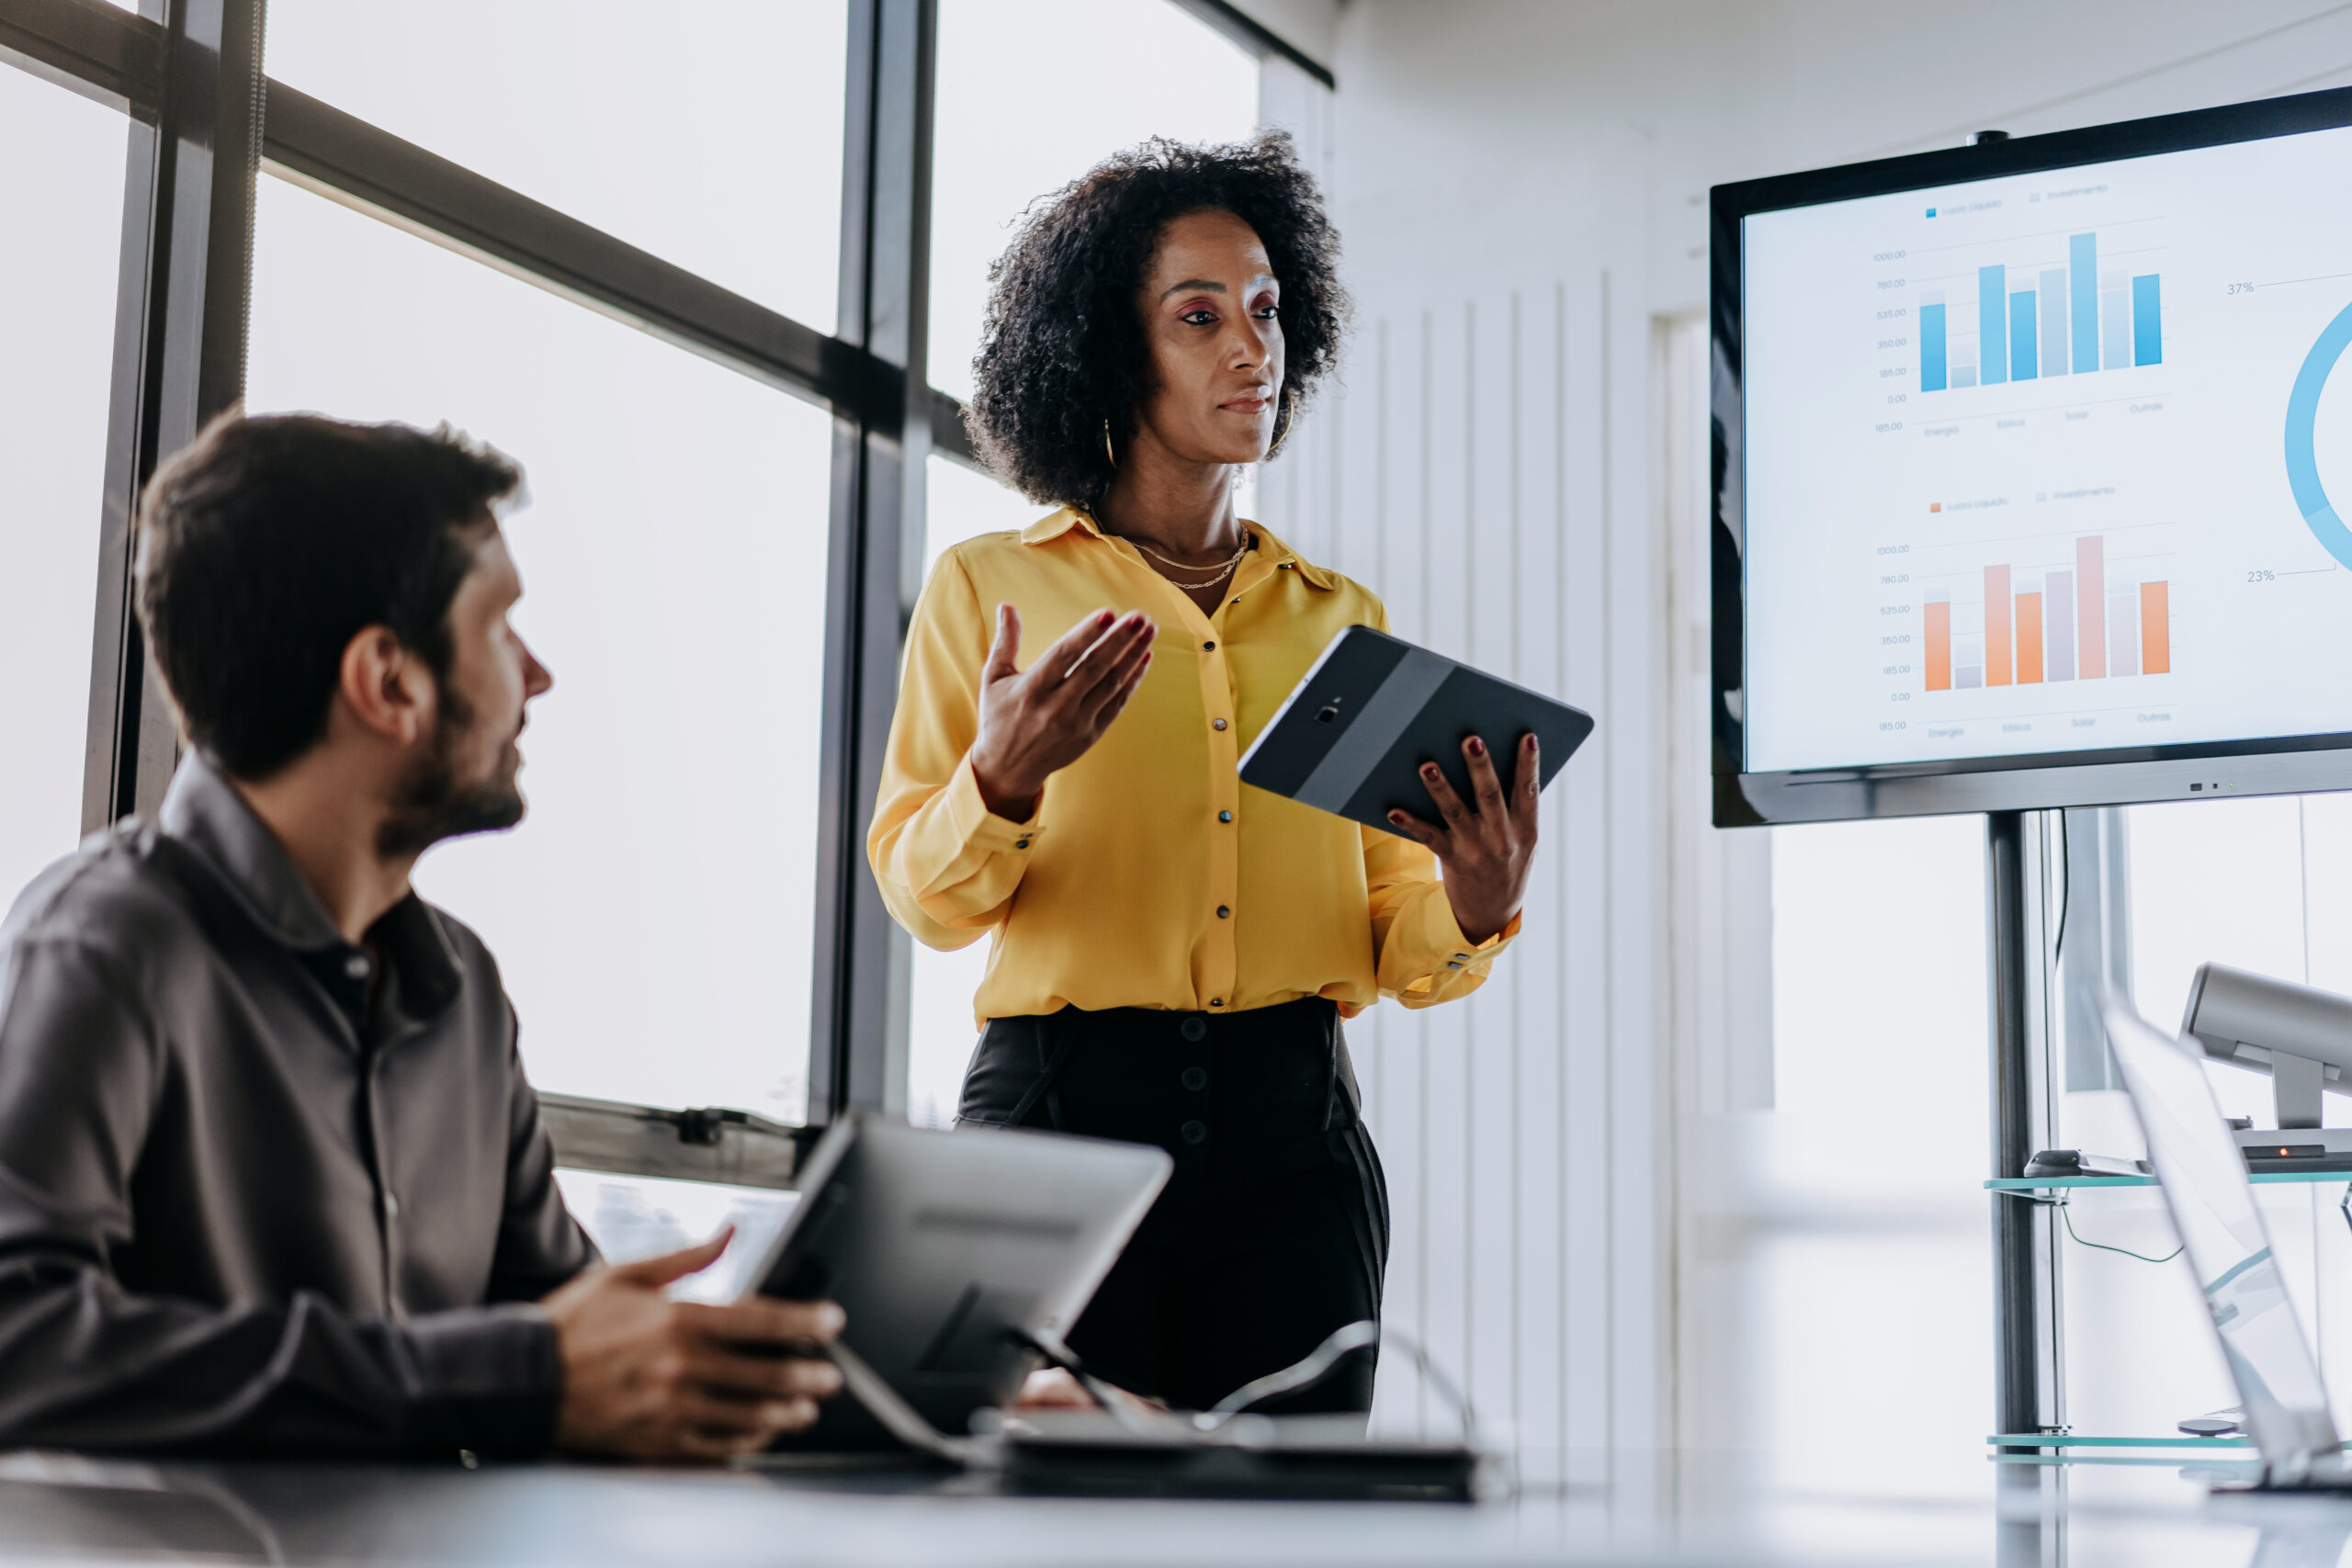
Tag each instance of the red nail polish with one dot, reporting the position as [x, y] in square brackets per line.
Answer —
[1478, 747]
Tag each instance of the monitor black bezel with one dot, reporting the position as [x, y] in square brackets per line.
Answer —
[2290, 764]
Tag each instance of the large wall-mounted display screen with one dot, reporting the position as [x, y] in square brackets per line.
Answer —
[2036, 468]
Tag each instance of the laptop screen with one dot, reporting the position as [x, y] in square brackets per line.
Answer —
[2212, 1206]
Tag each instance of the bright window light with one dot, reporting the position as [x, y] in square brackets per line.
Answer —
[63, 196]
[709, 134]
[654, 915]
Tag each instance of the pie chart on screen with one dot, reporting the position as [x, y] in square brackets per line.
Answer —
[2302, 453]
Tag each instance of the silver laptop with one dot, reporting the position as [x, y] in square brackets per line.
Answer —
[2204, 1179]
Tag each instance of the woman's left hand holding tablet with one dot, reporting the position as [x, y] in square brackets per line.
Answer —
[1486, 845]
[1034, 722]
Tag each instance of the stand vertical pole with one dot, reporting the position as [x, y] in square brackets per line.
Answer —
[2028, 1382]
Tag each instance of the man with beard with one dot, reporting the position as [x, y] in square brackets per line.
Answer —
[271, 1178]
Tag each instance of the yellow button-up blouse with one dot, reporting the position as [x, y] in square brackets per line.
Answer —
[1151, 876]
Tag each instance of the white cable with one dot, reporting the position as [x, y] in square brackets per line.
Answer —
[1317, 1366]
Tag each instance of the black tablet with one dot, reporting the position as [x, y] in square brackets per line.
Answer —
[1352, 735]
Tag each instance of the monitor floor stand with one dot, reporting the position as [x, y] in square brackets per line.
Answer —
[2030, 1385]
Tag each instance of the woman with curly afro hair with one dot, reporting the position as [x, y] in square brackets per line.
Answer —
[1173, 951]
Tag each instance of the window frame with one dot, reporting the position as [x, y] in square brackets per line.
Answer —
[206, 121]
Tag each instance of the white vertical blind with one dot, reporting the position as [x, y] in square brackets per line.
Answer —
[1467, 472]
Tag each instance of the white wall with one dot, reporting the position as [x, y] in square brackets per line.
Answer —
[1520, 187]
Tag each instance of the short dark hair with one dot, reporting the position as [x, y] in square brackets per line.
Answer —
[266, 545]
[1063, 349]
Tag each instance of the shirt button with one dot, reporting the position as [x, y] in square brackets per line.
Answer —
[1019, 843]
[1453, 964]
[1208, 648]
[1216, 723]
[355, 966]
[1194, 1078]
[1195, 1133]
[1225, 816]
[1224, 913]
[392, 1207]
[1192, 1028]
[1217, 1002]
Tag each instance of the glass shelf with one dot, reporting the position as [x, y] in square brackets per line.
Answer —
[2034, 1183]
[2075, 1441]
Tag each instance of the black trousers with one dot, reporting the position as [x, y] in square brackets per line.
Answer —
[1273, 1230]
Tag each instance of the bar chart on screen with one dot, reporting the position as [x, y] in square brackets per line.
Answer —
[2039, 320]
[2056, 639]
[2060, 308]
[2044, 623]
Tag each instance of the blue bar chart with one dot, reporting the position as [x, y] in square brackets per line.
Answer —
[2032, 322]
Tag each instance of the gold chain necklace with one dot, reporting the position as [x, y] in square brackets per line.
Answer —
[1216, 574]
[1214, 581]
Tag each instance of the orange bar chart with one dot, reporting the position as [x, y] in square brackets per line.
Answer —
[1938, 645]
[2066, 613]
[1998, 609]
[2156, 628]
[2028, 639]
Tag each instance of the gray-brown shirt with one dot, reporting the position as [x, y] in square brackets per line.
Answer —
[255, 1194]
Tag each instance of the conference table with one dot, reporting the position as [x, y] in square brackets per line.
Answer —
[1651, 1508]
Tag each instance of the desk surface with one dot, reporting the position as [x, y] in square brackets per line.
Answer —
[1659, 1510]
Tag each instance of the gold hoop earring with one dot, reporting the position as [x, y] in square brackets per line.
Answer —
[1107, 442]
[1283, 435]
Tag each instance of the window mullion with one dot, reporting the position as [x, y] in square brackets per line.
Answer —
[858, 1027]
[179, 353]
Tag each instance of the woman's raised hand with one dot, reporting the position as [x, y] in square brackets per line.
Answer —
[1485, 846]
[1036, 722]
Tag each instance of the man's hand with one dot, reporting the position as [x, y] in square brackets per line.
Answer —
[645, 1377]
[1487, 853]
[1035, 724]
[1050, 1388]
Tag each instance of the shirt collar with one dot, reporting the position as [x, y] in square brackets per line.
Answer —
[206, 814]
[1047, 529]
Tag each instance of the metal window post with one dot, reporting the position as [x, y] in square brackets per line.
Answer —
[2028, 1347]
[179, 350]
[858, 1032]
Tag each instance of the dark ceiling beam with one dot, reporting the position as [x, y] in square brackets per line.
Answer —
[348, 159]
[100, 52]
[1256, 38]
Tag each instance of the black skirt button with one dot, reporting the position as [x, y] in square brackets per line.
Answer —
[1195, 1078]
[1194, 1029]
[1195, 1133]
